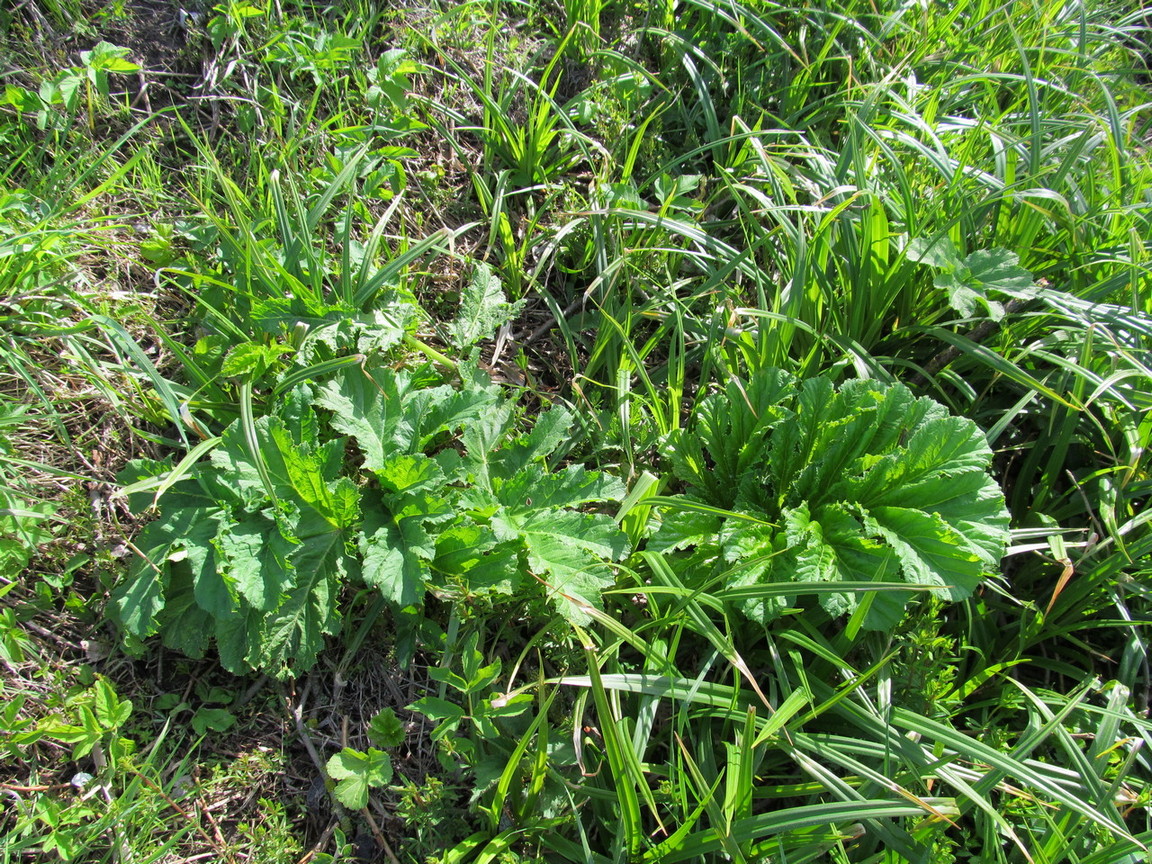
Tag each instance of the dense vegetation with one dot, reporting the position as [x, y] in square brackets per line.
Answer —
[597, 432]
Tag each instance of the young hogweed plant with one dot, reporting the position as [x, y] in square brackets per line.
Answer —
[801, 481]
[253, 547]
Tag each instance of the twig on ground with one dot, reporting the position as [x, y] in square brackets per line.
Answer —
[220, 848]
[375, 829]
[297, 715]
[48, 634]
[549, 322]
[250, 693]
[321, 843]
[207, 811]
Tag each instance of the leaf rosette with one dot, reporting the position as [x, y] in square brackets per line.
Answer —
[252, 549]
[861, 482]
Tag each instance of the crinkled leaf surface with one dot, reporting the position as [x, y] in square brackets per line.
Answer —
[483, 308]
[386, 729]
[292, 635]
[532, 489]
[568, 551]
[864, 482]
[388, 413]
[252, 550]
[339, 329]
[256, 556]
[182, 624]
[684, 528]
[470, 554]
[529, 508]
[191, 514]
[225, 561]
[397, 542]
[728, 436]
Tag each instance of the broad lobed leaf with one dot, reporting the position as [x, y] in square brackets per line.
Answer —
[858, 482]
[253, 548]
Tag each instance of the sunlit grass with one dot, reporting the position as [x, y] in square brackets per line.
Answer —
[953, 197]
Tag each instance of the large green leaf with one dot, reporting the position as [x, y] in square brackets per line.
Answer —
[470, 554]
[291, 636]
[683, 528]
[183, 625]
[863, 482]
[567, 550]
[225, 560]
[397, 543]
[357, 773]
[531, 508]
[727, 438]
[975, 279]
[549, 431]
[138, 599]
[182, 531]
[387, 413]
[483, 308]
[533, 489]
[256, 556]
[254, 547]
[931, 552]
